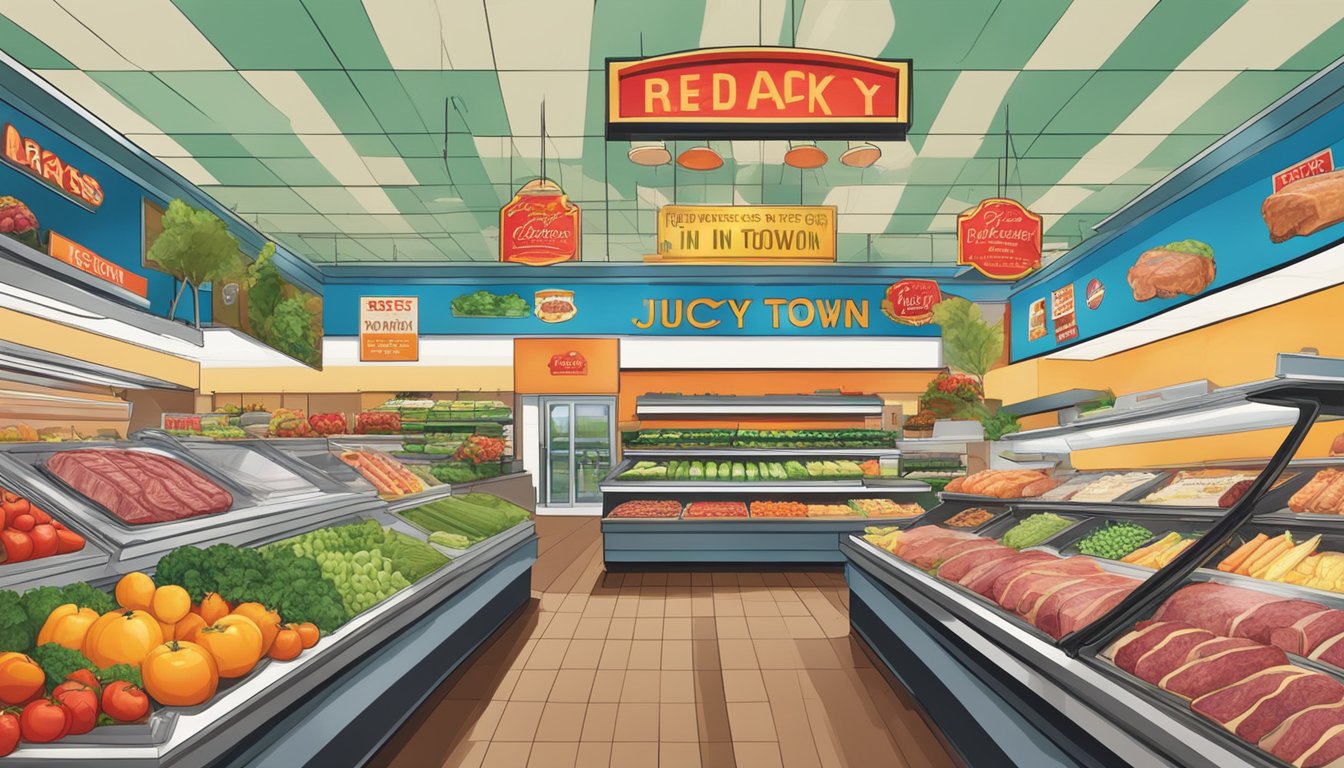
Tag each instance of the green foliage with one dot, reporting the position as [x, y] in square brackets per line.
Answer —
[57, 662]
[1193, 247]
[237, 575]
[1106, 401]
[283, 322]
[195, 247]
[302, 593]
[85, 596]
[117, 672]
[39, 602]
[487, 304]
[970, 345]
[1000, 424]
[16, 630]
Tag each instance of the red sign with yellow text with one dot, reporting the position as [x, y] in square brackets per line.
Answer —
[87, 261]
[1000, 238]
[910, 302]
[759, 93]
[44, 164]
[538, 227]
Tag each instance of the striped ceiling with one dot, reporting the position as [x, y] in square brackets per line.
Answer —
[323, 121]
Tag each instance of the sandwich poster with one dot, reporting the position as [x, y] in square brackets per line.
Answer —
[1063, 312]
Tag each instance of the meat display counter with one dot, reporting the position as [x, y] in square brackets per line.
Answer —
[1193, 619]
[459, 565]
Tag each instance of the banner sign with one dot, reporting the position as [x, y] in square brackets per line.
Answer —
[1321, 162]
[571, 363]
[727, 234]
[539, 226]
[25, 153]
[910, 302]
[1000, 238]
[1064, 313]
[758, 93]
[1036, 320]
[87, 261]
[389, 329]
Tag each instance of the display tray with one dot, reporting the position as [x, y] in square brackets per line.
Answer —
[1150, 730]
[677, 453]
[893, 485]
[940, 514]
[197, 736]
[1274, 504]
[1004, 523]
[1185, 526]
[799, 541]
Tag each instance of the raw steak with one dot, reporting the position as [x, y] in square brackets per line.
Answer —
[1308, 632]
[1257, 623]
[1217, 645]
[1328, 751]
[1232, 707]
[1127, 651]
[966, 547]
[1049, 605]
[1164, 274]
[1082, 611]
[1286, 698]
[139, 487]
[1331, 651]
[1215, 607]
[1169, 655]
[1302, 732]
[1196, 678]
[1037, 590]
[954, 568]
[981, 578]
[1009, 588]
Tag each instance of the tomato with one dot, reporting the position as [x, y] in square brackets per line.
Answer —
[180, 674]
[44, 720]
[308, 633]
[39, 515]
[22, 522]
[18, 506]
[9, 732]
[170, 603]
[87, 678]
[188, 627]
[67, 541]
[44, 540]
[235, 643]
[121, 637]
[267, 621]
[213, 608]
[288, 645]
[18, 547]
[81, 702]
[20, 678]
[124, 702]
[67, 625]
[135, 590]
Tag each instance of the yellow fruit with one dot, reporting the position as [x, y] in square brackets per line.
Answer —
[135, 591]
[170, 604]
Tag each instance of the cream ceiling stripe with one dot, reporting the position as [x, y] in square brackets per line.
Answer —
[972, 104]
[63, 33]
[863, 27]
[423, 34]
[152, 34]
[1088, 33]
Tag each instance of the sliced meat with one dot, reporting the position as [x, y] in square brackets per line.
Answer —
[1330, 651]
[955, 568]
[1171, 654]
[1008, 589]
[1258, 622]
[1328, 751]
[1294, 639]
[1079, 612]
[1050, 603]
[1294, 695]
[1215, 607]
[139, 486]
[981, 578]
[1232, 706]
[1127, 651]
[1217, 645]
[1196, 678]
[1302, 731]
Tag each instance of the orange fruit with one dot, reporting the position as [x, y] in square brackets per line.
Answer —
[286, 646]
[135, 591]
[170, 604]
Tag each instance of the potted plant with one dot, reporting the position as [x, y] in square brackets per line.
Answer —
[196, 248]
[971, 346]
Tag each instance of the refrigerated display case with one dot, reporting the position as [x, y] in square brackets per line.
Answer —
[1005, 639]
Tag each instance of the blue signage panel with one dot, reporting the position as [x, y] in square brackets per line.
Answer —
[1263, 213]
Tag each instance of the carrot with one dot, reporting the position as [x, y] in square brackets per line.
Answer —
[1276, 546]
[1231, 562]
[1164, 559]
[1256, 554]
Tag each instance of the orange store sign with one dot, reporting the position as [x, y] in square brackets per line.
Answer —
[87, 261]
[539, 226]
[758, 93]
[44, 164]
[389, 329]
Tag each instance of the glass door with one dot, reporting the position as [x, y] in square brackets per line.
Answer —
[577, 444]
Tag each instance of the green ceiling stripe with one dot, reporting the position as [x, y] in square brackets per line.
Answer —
[343, 101]
[261, 34]
[229, 101]
[27, 49]
[1170, 31]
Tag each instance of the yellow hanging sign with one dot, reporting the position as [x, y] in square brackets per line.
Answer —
[750, 234]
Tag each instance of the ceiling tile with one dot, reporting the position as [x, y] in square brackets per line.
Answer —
[261, 34]
[1088, 33]
[152, 34]
[63, 33]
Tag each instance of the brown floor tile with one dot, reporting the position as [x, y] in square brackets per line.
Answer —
[705, 654]
[702, 605]
[817, 653]
[704, 628]
[737, 654]
[607, 685]
[677, 627]
[649, 608]
[645, 654]
[547, 654]
[731, 627]
[551, 601]
[701, 579]
[634, 754]
[626, 604]
[649, 628]
[678, 755]
[636, 721]
[562, 626]
[573, 603]
[572, 685]
[592, 628]
[655, 579]
[728, 607]
[583, 654]
[751, 721]
[677, 686]
[553, 754]
[679, 579]
[717, 754]
[593, 754]
[621, 628]
[750, 580]
[600, 722]
[519, 721]
[599, 606]
[467, 754]
[561, 721]
[677, 722]
[760, 754]
[779, 654]
[724, 579]
[487, 721]
[615, 654]
[769, 627]
[677, 654]
[759, 607]
[740, 685]
[677, 607]
[793, 609]
[504, 754]
[533, 685]
[641, 685]
[802, 627]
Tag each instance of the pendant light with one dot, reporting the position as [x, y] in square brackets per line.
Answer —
[804, 154]
[649, 153]
[700, 158]
[860, 154]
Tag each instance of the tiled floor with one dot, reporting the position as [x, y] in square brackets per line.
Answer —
[666, 669]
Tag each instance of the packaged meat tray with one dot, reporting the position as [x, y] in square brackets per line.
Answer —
[1071, 486]
[715, 509]
[1198, 487]
[665, 509]
[1111, 487]
[885, 508]
[385, 473]
[778, 509]
[139, 487]
[970, 518]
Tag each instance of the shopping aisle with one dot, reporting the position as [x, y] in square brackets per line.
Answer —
[671, 669]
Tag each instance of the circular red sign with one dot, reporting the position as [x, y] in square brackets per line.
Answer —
[1095, 293]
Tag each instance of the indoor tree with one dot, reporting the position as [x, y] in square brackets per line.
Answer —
[196, 248]
[972, 346]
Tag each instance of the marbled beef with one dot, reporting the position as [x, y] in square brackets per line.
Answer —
[1233, 706]
[1196, 678]
[1171, 654]
[1082, 610]
[981, 578]
[1215, 607]
[1303, 731]
[139, 487]
[1279, 703]
[954, 568]
[1308, 632]
[1258, 623]
[1126, 652]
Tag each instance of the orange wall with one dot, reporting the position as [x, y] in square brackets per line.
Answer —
[532, 372]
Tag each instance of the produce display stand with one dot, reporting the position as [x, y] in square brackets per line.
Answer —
[392, 655]
[1023, 698]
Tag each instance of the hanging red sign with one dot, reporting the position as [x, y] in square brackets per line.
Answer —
[759, 93]
[539, 226]
[569, 364]
[910, 302]
[1000, 238]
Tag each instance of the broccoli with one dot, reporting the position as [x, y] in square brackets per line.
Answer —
[85, 596]
[39, 602]
[16, 630]
[301, 593]
[237, 575]
[121, 672]
[57, 662]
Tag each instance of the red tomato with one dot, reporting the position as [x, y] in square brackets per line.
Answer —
[67, 541]
[22, 522]
[82, 704]
[44, 540]
[84, 676]
[124, 702]
[44, 720]
[38, 514]
[9, 732]
[19, 506]
[18, 546]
